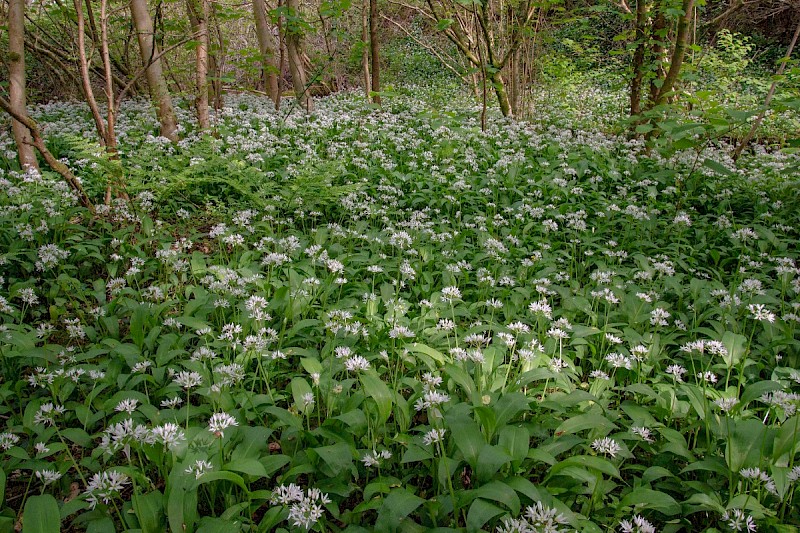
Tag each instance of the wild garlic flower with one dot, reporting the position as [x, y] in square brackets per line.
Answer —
[47, 413]
[607, 446]
[636, 525]
[219, 422]
[434, 435]
[737, 520]
[103, 486]
[47, 476]
[199, 467]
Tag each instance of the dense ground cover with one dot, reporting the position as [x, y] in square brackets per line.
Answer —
[392, 320]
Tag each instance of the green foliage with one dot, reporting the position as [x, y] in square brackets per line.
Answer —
[395, 321]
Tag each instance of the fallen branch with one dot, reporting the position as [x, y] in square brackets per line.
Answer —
[55, 164]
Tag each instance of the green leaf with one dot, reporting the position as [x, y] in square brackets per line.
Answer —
[500, 492]
[375, 388]
[736, 345]
[221, 475]
[218, 525]
[247, 465]
[490, 460]
[443, 24]
[717, 167]
[509, 406]
[644, 498]
[41, 515]
[300, 391]
[516, 441]
[149, 509]
[396, 507]
[599, 424]
[466, 434]
[586, 462]
[747, 443]
[480, 512]
[337, 457]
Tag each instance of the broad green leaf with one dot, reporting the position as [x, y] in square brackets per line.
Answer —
[247, 465]
[466, 434]
[736, 346]
[337, 457]
[41, 515]
[480, 512]
[747, 443]
[396, 507]
[599, 424]
[376, 388]
[218, 525]
[490, 460]
[302, 393]
[644, 498]
[586, 461]
[516, 441]
[149, 509]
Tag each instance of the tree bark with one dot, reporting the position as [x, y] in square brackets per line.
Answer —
[268, 49]
[365, 49]
[638, 58]
[86, 82]
[16, 79]
[294, 50]
[502, 94]
[154, 74]
[374, 49]
[678, 53]
[198, 17]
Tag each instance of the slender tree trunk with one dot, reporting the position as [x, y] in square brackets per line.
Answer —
[374, 49]
[768, 99]
[294, 50]
[638, 58]
[86, 82]
[266, 45]
[657, 52]
[198, 17]
[678, 53]
[364, 48]
[154, 74]
[16, 79]
[502, 94]
[111, 117]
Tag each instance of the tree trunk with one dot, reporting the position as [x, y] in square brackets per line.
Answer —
[638, 58]
[678, 53]
[86, 82]
[364, 48]
[266, 45]
[198, 17]
[111, 136]
[16, 79]
[294, 50]
[374, 50]
[502, 95]
[657, 52]
[154, 74]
